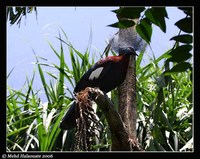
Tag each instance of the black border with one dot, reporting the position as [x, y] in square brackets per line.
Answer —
[93, 154]
[3, 80]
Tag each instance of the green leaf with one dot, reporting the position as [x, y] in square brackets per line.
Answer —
[185, 38]
[61, 74]
[28, 92]
[165, 120]
[163, 56]
[139, 59]
[181, 53]
[15, 14]
[55, 128]
[144, 29]
[160, 81]
[43, 81]
[186, 10]
[185, 25]
[180, 67]
[40, 128]
[9, 73]
[157, 134]
[123, 24]
[17, 131]
[129, 12]
[158, 146]
[157, 16]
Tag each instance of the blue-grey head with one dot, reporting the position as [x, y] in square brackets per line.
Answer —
[127, 51]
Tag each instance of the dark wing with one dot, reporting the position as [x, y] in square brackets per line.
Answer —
[69, 119]
[94, 74]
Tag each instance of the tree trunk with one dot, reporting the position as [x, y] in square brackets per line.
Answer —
[127, 91]
[127, 100]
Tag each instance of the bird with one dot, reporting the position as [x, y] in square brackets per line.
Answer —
[106, 74]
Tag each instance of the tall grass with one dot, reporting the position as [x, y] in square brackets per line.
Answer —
[164, 106]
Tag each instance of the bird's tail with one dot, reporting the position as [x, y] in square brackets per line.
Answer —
[69, 119]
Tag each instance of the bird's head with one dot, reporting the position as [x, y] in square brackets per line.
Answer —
[127, 51]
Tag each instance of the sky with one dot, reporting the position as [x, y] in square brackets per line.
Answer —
[79, 24]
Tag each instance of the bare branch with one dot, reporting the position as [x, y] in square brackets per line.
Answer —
[119, 135]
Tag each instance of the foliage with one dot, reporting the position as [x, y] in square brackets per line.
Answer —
[156, 15]
[161, 100]
[33, 125]
[15, 14]
[164, 108]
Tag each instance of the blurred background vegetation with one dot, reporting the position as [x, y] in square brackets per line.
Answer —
[164, 91]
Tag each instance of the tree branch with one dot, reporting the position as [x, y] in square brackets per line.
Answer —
[119, 135]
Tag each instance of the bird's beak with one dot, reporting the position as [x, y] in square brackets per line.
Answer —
[128, 50]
